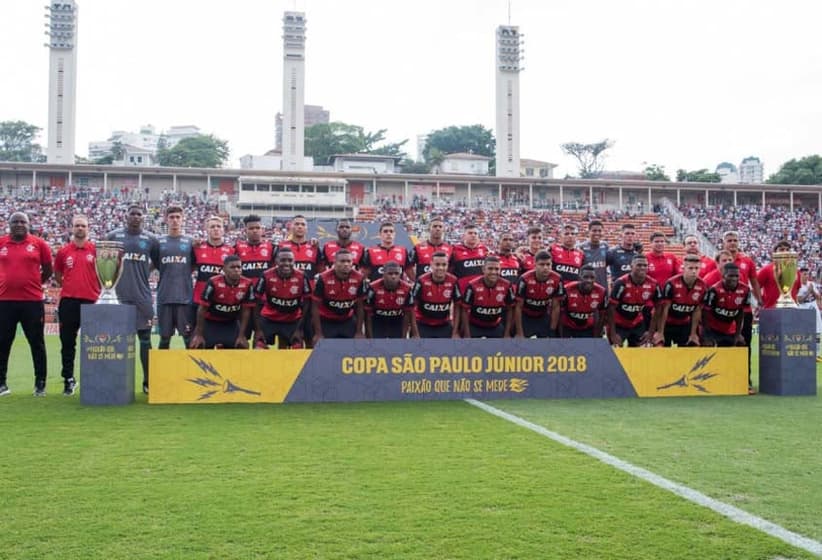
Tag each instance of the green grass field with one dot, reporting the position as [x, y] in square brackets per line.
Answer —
[398, 480]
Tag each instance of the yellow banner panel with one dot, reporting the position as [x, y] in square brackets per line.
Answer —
[682, 372]
[223, 376]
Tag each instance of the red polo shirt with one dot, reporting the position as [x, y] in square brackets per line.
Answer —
[76, 264]
[20, 263]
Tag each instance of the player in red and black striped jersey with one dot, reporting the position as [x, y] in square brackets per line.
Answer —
[434, 294]
[724, 308]
[468, 257]
[285, 296]
[510, 267]
[343, 241]
[567, 258]
[487, 304]
[629, 296]
[680, 311]
[210, 256]
[226, 306]
[389, 307]
[337, 310]
[423, 252]
[376, 256]
[528, 254]
[306, 252]
[584, 307]
[539, 293]
[257, 256]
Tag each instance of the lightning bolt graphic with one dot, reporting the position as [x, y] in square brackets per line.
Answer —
[681, 382]
[701, 363]
[203, 382]
[206, 367]
[206, 395]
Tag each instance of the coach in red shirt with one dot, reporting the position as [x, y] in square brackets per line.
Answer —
[25, 264]
[75, 273]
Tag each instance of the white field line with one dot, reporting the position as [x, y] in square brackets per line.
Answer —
[731, 512]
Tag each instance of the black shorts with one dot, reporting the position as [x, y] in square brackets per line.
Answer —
[711, 337]
[145, 313]
[339, 329]
[677, 334]
[283, 331]
[577, 333]
[171, 317]
[439, 331]
[221, 333]
[486, 332]
[387, 328]
[632, 335]
[539, 327]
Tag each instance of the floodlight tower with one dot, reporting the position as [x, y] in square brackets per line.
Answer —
[293, 91]
[62, 33]
[508, 59]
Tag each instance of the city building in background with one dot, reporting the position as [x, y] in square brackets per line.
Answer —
[313, 114]
[139, 148]
[464, 164]
[536, 168]
[508, 58]
[293, 128]
[751, 171]
[727, 173]
[62, 45]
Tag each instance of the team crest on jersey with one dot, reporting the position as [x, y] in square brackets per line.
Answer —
[500, 297]
[695, 296]
[89, 257]
[240, 294]
[646, 295]
[309, 253]
[738, 301]
[30, 248]
[264, 252]
[69, 262]
[445, 293]
[400, 300]
[352, 290]
[594, 304]
[4, 251]
[294, 290]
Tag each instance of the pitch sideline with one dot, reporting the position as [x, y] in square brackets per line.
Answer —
[726, 510]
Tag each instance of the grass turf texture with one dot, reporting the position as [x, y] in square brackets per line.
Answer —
[384, 480]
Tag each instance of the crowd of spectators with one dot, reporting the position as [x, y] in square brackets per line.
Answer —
[760, 228]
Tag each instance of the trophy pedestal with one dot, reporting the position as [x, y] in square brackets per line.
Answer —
[107, 339]
[787, 352]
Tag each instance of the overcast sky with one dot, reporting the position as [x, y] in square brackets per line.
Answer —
[682, 84]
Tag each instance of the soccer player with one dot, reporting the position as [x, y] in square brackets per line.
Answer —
[618, 259]
[226, 305]
[509, 263]
[722, 258]
[377, 255]
[539, 294]
[433, 295]
[486, 304]
[662, 266]
[209, 258]
[595, 252]
[680, 311]
[25, 265]
[343, 241]
[306, 258]
[535, 245]
[584, 307]
[468, 257]
[630, 294]
[723, 310]
[133, 287]
[389, 309]
[74, 272]
[257, 256]
[175, 258]
[423, 252]
[565, 255]
[337, 310]
[285, 294]
[706, 264]
[747, 277]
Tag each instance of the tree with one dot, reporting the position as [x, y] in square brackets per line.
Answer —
[195, 151]
[411, 166]
[473, 139]
[806, 171]
[118, 152]
[326, 139]
[590, 157]
[656, 172]
[698, 176]
[17, 141]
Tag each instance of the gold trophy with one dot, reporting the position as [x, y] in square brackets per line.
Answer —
[109, 266]
[784, 270]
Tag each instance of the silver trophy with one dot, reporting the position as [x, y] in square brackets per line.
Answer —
[109, 266]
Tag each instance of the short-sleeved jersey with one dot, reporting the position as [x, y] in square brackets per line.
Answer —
[684, 299]
[722, 307]
[433, 300]
[567, 262]
[510, 267]
[375, 258]
[224, 302]
[422, 254]
[208, 262]
[76, 264]
[537, 295]
[706, 266]
[529, 260]
[137, 251]
[619, 261]
[486, 305]
[256, 258]
[663, 266]
[306, 257]
[383, 303]
[579, 308]
[282, 297]
[466, 263]
[336, 298]
[596, 256]
[175, 262]
[747, 268]
[330, 249]
[628, 299]
[20, 268]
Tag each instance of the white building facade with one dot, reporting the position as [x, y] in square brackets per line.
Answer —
[751, 171]
[464, 164]
[293, 148]
[62, 16]
[507, 63]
